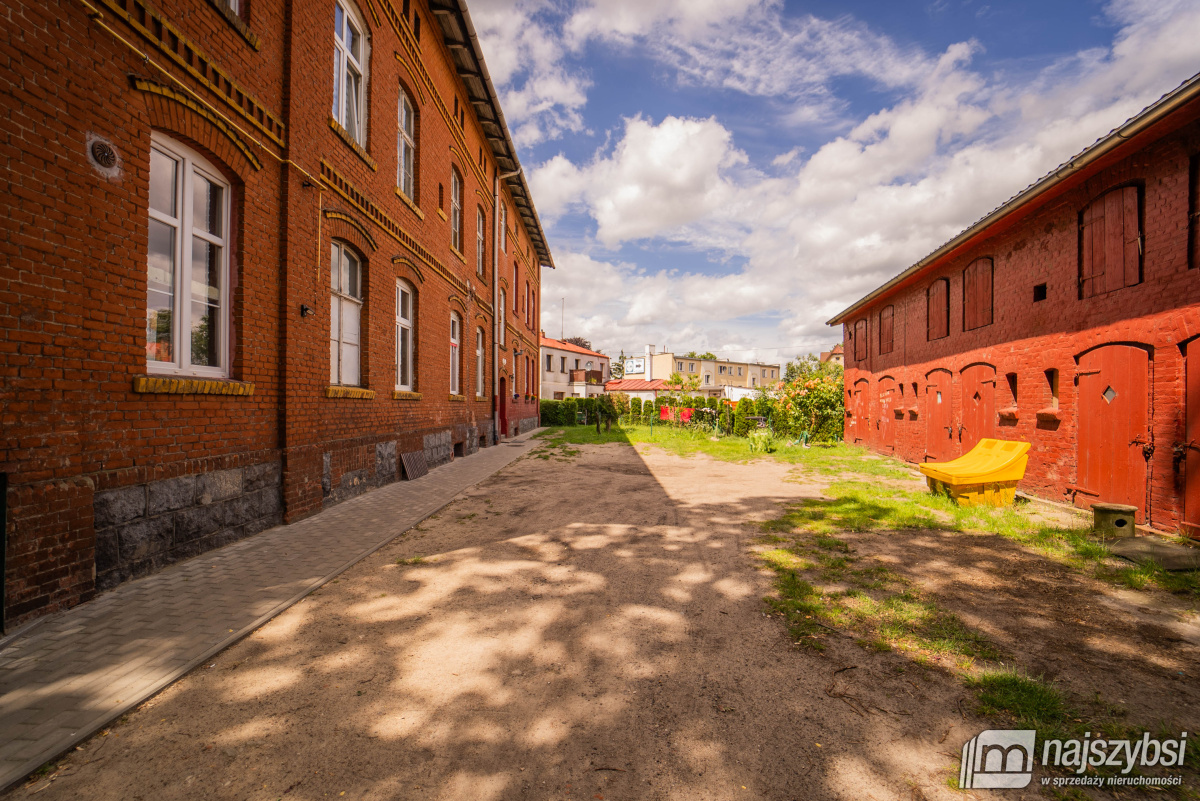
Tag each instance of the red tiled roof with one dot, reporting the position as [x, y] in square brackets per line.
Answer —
[547, 342]
[634, 385]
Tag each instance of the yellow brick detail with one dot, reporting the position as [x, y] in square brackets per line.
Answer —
[153, 385]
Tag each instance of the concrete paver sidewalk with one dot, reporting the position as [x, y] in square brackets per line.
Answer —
[67, 677]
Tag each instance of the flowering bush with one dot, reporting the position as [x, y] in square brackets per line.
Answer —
[813, 404]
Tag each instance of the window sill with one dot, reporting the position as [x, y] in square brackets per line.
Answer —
[358, 149]
[442, 214]
[404, 394]
[1008, 413]
[460, 256]
[459, 398]
[1048, 415]
[480, 398]
[350, 393]
[409, 202]
[236, 22]
[153, 385]
[912, 413]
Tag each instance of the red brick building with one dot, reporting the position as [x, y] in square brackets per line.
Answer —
[1067, 318]
[254, 252]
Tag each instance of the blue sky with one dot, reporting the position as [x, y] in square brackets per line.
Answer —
[726, 174]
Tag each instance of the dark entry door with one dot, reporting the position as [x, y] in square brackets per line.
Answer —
[939, 428]
[1191, 492]
[1114, 434]
[978, 405]
[503, 408]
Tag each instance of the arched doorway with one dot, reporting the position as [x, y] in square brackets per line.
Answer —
[939, 423]
[885, 425]
[1114, 432]
[978, 394]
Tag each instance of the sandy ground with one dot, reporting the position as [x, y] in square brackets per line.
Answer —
[593, 628]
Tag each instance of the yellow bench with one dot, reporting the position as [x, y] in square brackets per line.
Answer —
[986, 476]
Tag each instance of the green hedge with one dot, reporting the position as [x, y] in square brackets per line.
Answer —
[635, 408]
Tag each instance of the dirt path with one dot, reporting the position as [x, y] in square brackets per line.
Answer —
[589, 627]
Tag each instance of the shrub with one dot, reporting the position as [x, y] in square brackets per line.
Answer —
[741, 423]
[620, 402]
[814, 404]
[569, 409]
[635, 408]
[726, 418]
[762, 442]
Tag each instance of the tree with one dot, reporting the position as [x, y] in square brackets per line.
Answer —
[708, 355]
[808, 367]
[617, 368]
[580, 341]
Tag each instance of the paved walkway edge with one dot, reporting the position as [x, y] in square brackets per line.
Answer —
[7, 782]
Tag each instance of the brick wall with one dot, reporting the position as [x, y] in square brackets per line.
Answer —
[254, 100]
[1027, 338]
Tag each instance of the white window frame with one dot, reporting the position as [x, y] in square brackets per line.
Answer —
[406, 147]
[189, 164]
[455, 353]
[708, 379]
[345, 19]
[480, 241]
[344, 371]
[503, 302]
[404, 351]
[480, 361]
[455, 210]
[503, 228]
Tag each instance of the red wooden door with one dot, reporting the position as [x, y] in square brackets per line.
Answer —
[939, 428]
[1191, 486]
[885, 424]
[862, 425]
[978, 405]
[1114, 415]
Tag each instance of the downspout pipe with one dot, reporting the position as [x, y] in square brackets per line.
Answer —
[497, 312]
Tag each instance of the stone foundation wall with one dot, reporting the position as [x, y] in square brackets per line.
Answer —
[144, 527]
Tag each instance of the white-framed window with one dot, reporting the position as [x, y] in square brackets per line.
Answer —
[679, 366]
[455, 210]
[345, 315]
[503, 302]
[187, 263]
[455, 351]
[349, 70]
[404, 335]
[549, 363]
[234, 6]
[503, 228]
[480, 361]
[562, 364]
[739, 371]
[406, 147]
[708, 378]
[480, 242]
[691, 367]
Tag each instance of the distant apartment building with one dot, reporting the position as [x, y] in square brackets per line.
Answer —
[714, 375]
[571, 371]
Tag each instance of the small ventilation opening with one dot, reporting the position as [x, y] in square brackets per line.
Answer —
[1039, 293]
[483, 441]
[459, 451]
[1052, 385]
[1012, 386]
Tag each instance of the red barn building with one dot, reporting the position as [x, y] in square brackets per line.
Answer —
[254, 251]
[1067, 318]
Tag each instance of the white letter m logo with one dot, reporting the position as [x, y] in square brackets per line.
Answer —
[998, 759]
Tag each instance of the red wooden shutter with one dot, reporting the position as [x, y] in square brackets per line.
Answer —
[1110, 240]
[1091, 251]
[938, 309]
[977, 294]
[860, 340]
[886, 321]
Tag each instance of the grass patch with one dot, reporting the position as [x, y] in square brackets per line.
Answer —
[879, 607]
[1030, 702]
[835, 459]
[415, 560]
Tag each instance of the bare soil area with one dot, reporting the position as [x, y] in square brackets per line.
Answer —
[591, 625]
